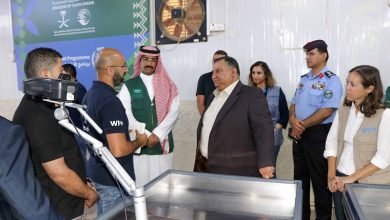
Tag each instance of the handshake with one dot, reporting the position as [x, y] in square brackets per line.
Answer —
[139, 134]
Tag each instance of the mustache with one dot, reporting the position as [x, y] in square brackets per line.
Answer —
[149, 67]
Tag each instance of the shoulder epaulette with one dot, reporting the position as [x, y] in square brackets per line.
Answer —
[329, 74]
[304, 75]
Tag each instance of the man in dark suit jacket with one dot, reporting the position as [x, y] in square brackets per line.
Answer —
[235, 132]
[21, 195]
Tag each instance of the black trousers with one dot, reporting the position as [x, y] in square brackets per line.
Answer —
[337, 200]
[310, 165]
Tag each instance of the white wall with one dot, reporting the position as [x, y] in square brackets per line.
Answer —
[8, 76]
[9, 94]
[357, 31]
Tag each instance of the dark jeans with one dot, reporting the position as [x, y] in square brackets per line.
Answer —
[109, 196]
[337, 200]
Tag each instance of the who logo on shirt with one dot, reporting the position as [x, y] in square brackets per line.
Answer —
[116, 123]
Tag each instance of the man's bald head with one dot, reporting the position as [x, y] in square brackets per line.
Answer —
[107, 57]
[111, 66]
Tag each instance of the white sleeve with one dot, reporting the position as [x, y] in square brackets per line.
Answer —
[331, 140]
[166, 126]
[382, 156]
[124, 96]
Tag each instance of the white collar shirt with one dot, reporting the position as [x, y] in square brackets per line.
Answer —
[211, 114]
[148, 81]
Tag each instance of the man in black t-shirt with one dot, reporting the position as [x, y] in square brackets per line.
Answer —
[206, 84]
[56, 157]
[108, 112]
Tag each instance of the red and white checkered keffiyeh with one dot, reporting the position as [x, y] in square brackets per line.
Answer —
[165, 89]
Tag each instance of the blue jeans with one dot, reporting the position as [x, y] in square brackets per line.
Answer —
[109, 196]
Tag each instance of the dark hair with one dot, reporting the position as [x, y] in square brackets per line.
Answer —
[324, 50]
[269, 79]
[70, 69]
[221, 52]
[39, 59]
[230, 61]
[370, 77]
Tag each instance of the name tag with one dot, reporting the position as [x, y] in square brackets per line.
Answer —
[369, 130]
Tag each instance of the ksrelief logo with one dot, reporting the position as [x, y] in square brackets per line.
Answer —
[94, 54]
[84, 16]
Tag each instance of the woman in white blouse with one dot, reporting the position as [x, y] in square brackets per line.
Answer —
[358, 145]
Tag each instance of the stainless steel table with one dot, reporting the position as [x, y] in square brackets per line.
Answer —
[367, 201]
[188, 195]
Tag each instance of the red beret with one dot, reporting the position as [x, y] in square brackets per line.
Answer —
[315, 44]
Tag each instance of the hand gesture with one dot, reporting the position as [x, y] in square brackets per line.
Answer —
[91, 198]
[297, 128]
[332, 184]
[341, 181]
[267, 172]
[153, 140]
[141, 138]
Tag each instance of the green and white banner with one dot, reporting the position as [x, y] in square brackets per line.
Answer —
[78, 29]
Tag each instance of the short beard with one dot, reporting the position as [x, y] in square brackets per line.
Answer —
[118, 79]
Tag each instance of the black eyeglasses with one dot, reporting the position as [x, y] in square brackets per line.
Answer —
[123, 66]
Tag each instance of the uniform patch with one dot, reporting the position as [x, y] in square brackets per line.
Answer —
[137, 94]
[328, 94]
[300, 86]
[137, 90]
[318, 86]
[329, 74]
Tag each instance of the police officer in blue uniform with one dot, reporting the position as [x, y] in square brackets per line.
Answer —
[312, 110]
